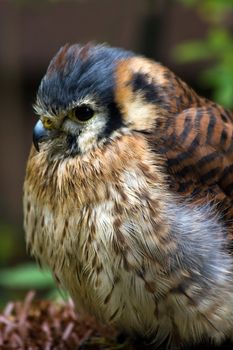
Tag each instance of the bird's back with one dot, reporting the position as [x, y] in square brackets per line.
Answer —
[195, 138]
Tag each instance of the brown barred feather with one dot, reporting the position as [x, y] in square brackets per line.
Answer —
[198, 147]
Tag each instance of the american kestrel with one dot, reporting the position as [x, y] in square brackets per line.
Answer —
[128, 195]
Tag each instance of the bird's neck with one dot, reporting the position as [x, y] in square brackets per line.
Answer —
[86, 179]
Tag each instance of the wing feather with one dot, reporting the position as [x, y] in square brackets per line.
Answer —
[198, 148]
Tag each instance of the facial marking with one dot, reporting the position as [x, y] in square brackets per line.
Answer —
[79, 76]
[89, 136]
[72, 144]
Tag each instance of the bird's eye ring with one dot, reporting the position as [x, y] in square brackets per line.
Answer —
[83, 113]
[47, 122]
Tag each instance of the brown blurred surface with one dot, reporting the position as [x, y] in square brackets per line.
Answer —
[38, 324]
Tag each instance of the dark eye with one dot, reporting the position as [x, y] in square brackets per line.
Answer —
[83, 113]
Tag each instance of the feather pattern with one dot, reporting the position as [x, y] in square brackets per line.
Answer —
[135, 222]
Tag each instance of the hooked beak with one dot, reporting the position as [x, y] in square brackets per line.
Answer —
[40, 134]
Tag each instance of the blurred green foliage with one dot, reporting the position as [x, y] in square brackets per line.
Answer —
[16, 281]
[18, 276]
[216, 48]
[26, 276]
[7, 247]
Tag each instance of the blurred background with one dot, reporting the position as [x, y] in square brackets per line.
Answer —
[191, 37]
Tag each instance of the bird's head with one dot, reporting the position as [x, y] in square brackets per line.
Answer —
[91, 93]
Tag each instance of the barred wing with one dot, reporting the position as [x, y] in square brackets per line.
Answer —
[198, 148]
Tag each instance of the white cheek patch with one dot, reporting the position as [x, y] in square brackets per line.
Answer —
[90, 133]
[71, 127]
[87, 134]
